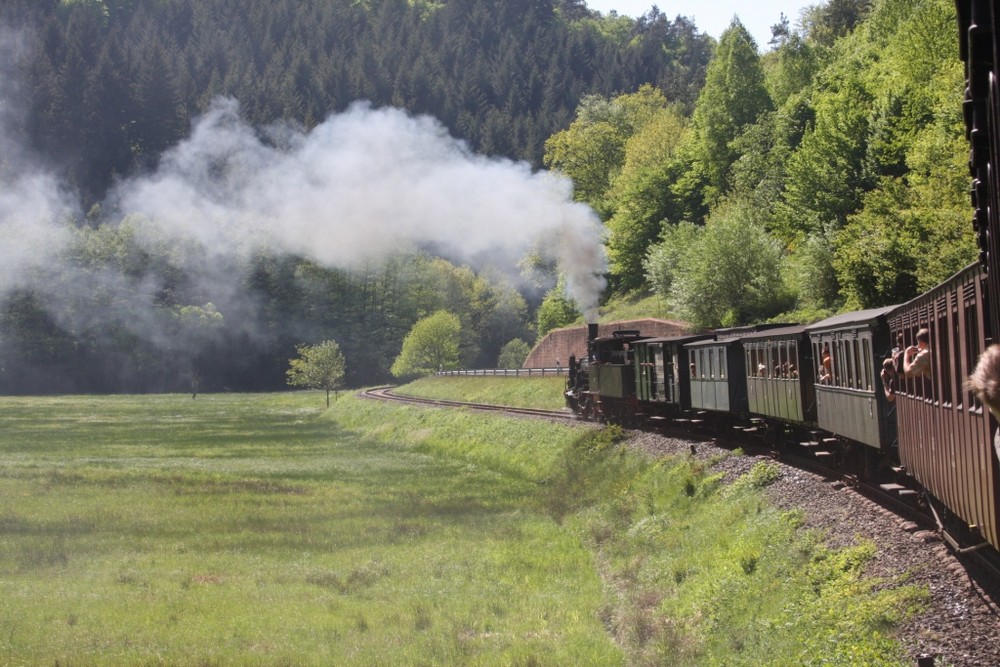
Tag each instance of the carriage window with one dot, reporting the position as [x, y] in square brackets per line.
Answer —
[838, 364]
[836, 361]
[843, 363]
[972, 350]
[701, 364]
[659, 376]
[856, 380]
[825, 356]
[793, 360]
[919, 386]
[868, 369]
[846, 372]
[946, 354]
[913, 385]
[817, 358]
[848, 365]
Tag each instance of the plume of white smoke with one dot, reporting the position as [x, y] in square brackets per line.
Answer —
[361, 185]
[33, 231]
[33, 208]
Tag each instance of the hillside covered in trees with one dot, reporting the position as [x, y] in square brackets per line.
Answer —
[111, 84]
[828, 173]
[191, 189]
[142, 141]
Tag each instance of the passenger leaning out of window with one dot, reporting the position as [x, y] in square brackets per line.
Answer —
[889, 379]
[985, 383]
[917, 358]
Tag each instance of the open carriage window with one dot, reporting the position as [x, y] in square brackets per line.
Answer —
[866, 364]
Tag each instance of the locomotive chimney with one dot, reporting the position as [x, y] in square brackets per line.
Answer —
[591, 331]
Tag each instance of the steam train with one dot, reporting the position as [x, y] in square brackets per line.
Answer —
[818, 388]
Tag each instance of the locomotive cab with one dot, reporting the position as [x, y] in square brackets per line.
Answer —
[610, 384]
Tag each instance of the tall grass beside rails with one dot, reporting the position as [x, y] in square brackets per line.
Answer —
[698, 573]
[695, 572]
[262, 530]
[543, 393]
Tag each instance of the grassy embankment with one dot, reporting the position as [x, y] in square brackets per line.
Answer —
[545, 393]
[264, 530]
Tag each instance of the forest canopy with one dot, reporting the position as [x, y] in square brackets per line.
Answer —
[843, 145]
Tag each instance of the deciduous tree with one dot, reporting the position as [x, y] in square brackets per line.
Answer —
[642, 197]
[513, 354]
[556, 310]
[431, 345]
[317, 367]
[731, 274]
[733, 98]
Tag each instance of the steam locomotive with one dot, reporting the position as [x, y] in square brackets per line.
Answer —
[819, 388]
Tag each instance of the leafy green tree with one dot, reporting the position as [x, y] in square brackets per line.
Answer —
[825, 179]
[641, 196]
[431, 345]
[318, 366]
[826, 22]
[877, 250]
[790, 69]
[513, 354]
[592, 150]
[938, 180]
[733, 98]
[556, 310]
[732, 274]
[812, 274]
[590, 154]
[662, 260]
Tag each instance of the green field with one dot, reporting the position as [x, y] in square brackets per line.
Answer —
[544, 393]
[265, 530]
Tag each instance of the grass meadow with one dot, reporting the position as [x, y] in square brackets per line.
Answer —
[544, 393]
[266, 530]
[239, 529]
